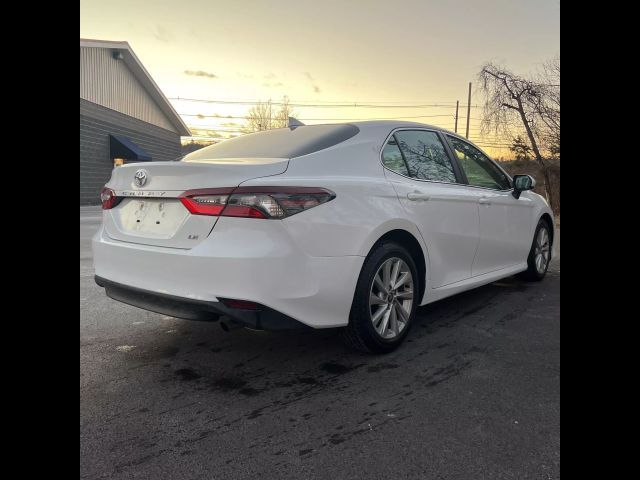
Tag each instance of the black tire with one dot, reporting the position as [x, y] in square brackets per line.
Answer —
[360, 334]
[532, 274]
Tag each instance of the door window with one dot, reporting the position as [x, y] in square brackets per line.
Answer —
[418, 154]
[425, 156]
[392, 158]
[479, 169]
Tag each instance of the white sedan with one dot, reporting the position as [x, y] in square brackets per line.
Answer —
[344, 225]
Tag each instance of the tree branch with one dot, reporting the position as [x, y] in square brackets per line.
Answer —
[510, 106]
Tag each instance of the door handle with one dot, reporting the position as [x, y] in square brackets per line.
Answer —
[484, 201]
[417, 196]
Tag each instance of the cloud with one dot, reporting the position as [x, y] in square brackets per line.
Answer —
[313, 82]
[200, 73]
[163, 34]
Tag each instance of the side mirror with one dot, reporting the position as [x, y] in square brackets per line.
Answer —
[522, 183]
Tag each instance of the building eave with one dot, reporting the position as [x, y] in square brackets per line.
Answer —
[141, 74]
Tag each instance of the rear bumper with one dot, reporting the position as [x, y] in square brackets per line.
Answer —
[238, 260]
[262, 319]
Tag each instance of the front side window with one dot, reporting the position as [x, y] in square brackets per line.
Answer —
[479, 169]
[425, 156]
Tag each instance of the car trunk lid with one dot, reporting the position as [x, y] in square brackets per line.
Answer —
[149, 210]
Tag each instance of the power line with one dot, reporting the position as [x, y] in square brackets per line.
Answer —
[319, 105]
[199, 115]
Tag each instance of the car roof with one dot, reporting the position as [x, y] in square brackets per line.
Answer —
[371, 125]
[391, 123]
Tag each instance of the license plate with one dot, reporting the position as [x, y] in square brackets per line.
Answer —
[156, 217]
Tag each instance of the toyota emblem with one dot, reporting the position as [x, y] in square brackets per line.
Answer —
[140, 178]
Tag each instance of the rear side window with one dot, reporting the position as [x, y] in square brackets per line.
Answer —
[392, 158]
[425, 156]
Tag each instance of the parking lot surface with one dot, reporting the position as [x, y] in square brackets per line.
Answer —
[473, 393]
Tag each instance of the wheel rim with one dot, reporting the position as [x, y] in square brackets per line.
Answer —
[391, 298]
[542, 250]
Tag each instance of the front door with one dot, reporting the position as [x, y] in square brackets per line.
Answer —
[505, 222]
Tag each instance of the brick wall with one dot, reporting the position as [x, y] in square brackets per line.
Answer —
[96, 123]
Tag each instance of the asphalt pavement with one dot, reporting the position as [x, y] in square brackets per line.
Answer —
[473, 393]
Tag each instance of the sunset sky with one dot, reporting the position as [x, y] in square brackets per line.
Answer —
[402, 52]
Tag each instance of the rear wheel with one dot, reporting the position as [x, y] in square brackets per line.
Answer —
[540, 253]
[385, 300]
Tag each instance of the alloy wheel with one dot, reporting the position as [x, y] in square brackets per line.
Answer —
[391, 298]
[542, 250]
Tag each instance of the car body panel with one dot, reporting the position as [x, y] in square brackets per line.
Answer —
[240, 262]
[505, 225]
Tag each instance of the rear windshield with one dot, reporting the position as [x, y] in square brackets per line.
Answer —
[278, 143]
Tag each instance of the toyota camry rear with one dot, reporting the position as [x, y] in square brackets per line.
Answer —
[317, 226]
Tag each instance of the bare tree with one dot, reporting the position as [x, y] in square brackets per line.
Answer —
[263, 116]
[259, 117]
[515, 103]
[282, 116]
[520, 148]
[548, 106]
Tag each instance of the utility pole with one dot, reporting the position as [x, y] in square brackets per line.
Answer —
[457, 103]
[468, 111]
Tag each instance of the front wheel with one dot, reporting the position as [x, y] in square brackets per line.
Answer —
[540, 253]
[385, 300]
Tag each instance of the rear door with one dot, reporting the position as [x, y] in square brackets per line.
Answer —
[429, 187]
[505, 222]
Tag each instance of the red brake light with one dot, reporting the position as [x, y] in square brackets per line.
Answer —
[208, 201]
[108, 198]
[240, 304]
[205, 204]
[255, 202]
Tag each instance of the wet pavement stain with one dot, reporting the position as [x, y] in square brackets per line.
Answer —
[307, 380]
[250, 392]
[335, 368]
[229, 383]
[381, 366]
[187, 374]
[256, 413]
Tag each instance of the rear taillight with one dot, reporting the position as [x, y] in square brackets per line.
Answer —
[255, 202]
[205, 205]
[209, 201]
[108, 198]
